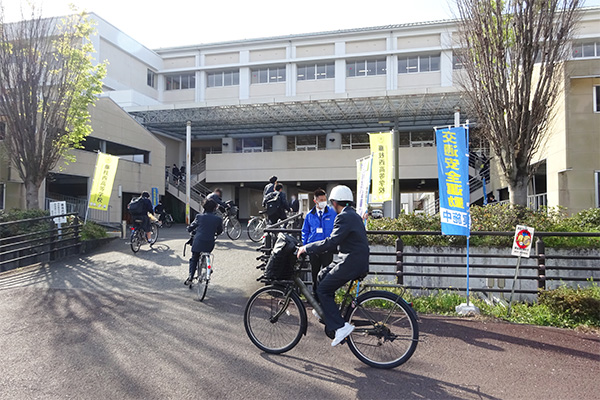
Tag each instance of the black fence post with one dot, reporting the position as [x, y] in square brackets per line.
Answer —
[399, 261]
[540, 249]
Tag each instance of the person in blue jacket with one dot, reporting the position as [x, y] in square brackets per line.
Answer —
[350, 238]
[318, 225]
[207, 227]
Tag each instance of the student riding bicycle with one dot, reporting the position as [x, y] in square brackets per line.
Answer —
[350, 238]
[207, 226]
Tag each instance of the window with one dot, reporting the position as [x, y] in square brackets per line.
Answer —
[181, 81]
[597, 187]
[268, 75]
[2, 191]
[355, 141]
[418, 63]
[223, 78]
[366, 67]
[310, 72]
[457, 58]
[151, 79]
[597, 99]
[417, 139]
[2, 130]
[586, 49]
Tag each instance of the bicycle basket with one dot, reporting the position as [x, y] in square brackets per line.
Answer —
[281, 263]
[233, 210]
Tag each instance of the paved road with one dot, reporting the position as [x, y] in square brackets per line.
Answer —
[113, 325]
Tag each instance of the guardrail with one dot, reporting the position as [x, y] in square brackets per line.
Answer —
[35, 240]
[492, 270]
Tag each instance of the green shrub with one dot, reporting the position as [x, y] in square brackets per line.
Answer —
[493, 218]
[19, 229]
[581, 305]
[92, 230]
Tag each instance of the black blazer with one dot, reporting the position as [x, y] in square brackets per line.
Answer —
[349, 237]
[207, 226]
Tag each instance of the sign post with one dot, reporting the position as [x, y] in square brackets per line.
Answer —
[521, 248]
[59, 208]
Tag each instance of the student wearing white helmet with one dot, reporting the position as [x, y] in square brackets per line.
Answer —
[349, 237]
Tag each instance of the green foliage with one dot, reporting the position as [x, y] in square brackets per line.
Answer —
[19, 229]
[494, 218]
[91, 230]
[564, 307]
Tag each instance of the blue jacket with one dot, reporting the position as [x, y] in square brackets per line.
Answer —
[207, 226]
[312, 222]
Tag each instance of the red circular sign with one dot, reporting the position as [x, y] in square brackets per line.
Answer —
[523, 239]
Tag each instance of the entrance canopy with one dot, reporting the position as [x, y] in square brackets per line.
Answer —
[343, 115]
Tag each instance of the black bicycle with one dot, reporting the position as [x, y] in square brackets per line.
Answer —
[138, 236]
[386, 331]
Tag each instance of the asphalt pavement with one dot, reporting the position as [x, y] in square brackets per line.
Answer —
[118, 325]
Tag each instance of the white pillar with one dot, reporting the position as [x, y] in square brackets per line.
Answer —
[188, 169]
[333, 141]
[279, 143]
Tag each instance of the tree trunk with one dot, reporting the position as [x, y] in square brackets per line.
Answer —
[31, 195]
[518, 191]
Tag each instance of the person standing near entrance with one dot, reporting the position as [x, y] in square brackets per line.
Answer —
[318, 225]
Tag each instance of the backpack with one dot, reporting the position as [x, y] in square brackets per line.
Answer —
[281, 262]
[272, 203]
[136, 206]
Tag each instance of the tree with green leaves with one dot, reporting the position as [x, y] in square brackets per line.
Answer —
[513, 54]
[48, 79]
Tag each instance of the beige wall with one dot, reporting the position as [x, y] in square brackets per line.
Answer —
[318, 50]
[293, 166]
[222, 58]
[179, 96]
[315, 86]
[267, 89]
[180, 62]
[422, 79]
[268, 54]
[222, 93]
[413, 42]
[365, 46]
[110, 122]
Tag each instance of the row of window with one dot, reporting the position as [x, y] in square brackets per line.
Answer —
[424, 63]
[586, 49]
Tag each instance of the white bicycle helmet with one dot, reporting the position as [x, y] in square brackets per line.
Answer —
[341, 194]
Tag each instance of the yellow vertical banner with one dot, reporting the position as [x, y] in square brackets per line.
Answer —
[382, 150]
[104, 176]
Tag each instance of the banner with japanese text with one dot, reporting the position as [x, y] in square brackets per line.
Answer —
[363, 184]
[453, 177]
[382, 150]
[104, 176]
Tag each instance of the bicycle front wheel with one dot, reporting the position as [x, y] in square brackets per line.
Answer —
[256, 229]
[386, 331]
[202, 279]
[136, 241]
[168, 221]
[234, 228]
[274, 322]
[153, 233]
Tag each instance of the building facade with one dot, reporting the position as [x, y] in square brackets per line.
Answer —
[301, 107]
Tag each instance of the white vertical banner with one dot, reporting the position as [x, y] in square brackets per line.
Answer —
[363, 184]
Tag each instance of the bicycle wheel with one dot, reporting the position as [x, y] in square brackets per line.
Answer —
[168, 221]
[234, 228]
[136, 240]
[202, 279]
[256, 229]
[386, 333]
[273, 322]
[153, 233]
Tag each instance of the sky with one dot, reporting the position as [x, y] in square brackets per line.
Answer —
[157, 24]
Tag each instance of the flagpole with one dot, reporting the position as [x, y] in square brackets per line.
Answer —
[87, 207]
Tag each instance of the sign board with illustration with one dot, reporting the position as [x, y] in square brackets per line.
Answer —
[522, 242]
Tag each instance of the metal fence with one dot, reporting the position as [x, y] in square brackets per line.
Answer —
[492, 270]
[36, 240]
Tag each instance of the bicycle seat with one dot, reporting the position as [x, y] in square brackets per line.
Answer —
[261, 212]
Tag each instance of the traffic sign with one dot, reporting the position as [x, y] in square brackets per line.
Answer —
[523, 240]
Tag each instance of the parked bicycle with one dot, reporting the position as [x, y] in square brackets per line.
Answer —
[385, 335]
[166, 222]
[138, 236]
[256, 226]
[231, 226]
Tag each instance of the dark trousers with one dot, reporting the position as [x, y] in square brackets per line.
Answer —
[330, 279]
[317, 262]
[194, 262]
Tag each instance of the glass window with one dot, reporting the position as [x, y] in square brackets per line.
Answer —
[2, 130]
[268, 75]
[330, 70]
[310, 72]
[589, 49]
[263, 76]
[577, 50]
[321, 74]
[227, 79]
[301, 74]
[403, 65]
[350, 68]
[597, 99]
[381, 67]
[2, 191]
[183, 81]
[151, 78]
[434, 63]
[413, 64]
[597, 179]
[371, 67]
[424, 64]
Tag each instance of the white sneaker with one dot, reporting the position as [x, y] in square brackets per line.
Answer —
[342, 333]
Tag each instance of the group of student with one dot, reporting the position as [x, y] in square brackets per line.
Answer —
[328, 228]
